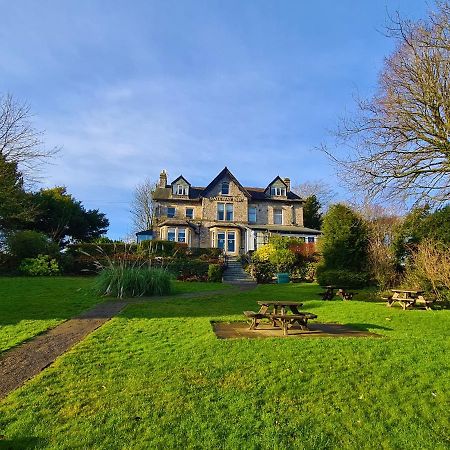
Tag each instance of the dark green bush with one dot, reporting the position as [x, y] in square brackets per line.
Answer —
[215, 272]
[30, 244]
[189, 269]
[208, 253]
[342, 278]
[119, 281]
[9, 264]
[101, 249]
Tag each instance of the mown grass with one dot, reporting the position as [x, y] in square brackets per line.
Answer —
[157, 377]
[31, 305]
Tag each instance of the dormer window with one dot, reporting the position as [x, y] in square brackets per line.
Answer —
[225, 188]
[277, 191]
[182, 190]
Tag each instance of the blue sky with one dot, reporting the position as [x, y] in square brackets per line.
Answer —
[128, 88]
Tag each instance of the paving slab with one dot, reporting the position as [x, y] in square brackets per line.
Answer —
[240, 330]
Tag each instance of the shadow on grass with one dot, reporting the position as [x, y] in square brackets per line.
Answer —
[367, 326]
[24, 443]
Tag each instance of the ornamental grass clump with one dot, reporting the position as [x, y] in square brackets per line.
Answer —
[120, 282]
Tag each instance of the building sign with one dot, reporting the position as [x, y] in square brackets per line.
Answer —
[226, 198]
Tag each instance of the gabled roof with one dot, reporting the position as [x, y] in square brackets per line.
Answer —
[275, 179]
[180, 178]
[225, 172]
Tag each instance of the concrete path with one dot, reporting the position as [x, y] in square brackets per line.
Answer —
[25, 361]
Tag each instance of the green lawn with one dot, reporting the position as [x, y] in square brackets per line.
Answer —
[156, 377]
[29, 306]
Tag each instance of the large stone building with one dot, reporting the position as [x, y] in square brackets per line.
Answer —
[226, 214]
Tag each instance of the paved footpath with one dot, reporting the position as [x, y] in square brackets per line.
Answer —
[25, 361]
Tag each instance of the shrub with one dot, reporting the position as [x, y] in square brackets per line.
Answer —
[344, 244]
[215, 272]
[262, 271]
[162, 248]
[9, 264]
[30, 244]
[40, 266]
[119, 281]
[429, 268]
[101, 249]
[342, 278]
[189, 269]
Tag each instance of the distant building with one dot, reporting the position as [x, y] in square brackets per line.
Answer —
[226, 214]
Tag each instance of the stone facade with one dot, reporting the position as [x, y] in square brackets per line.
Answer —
[227, 215]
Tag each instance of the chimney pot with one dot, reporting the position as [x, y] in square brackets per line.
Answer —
[163, 179]
[287, 182]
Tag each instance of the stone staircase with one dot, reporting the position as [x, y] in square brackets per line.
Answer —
[235, 274]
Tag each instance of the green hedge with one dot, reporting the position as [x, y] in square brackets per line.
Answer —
[102, 249]
[342, 278]
[189, 269]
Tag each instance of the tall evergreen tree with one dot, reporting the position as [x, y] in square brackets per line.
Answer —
[344, 244]
[312, 217]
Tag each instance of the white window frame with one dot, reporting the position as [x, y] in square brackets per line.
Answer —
[275, 214]
[169, 230]
[174, 212]
[226, 212]
[278, 191]
[256, 214]
[223, 212]
[185, 235]
[186, 213]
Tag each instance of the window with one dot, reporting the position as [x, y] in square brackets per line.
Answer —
[229, 212]
[189, 213]
[231, 241]
[277, 191]
[225, 188]
[278, 216]
[171, 212]
[311, 239]
[220, 211]
[181, 189]
[181, 235]
[221, 241]
[171, 234]
[225, 211]
[252, 214]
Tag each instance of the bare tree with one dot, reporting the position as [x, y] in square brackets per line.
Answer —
[399, 140]
[142, 206]
[20, 142]
[322, 190]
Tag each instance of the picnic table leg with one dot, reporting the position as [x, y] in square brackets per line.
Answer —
[284, 323]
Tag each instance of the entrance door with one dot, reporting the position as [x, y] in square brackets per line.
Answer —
[226, 241]
[231, 242]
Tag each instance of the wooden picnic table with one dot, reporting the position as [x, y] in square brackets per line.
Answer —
[276, 311]
[406, 298]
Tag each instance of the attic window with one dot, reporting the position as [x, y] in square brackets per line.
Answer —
[277, 191]
[182, 190]
[225, 188]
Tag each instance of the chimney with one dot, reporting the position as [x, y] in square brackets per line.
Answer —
[287, 182]
[163, 179]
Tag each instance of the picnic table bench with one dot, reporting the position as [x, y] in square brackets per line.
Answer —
[342, 292]
[408, 298]
[279, 315]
